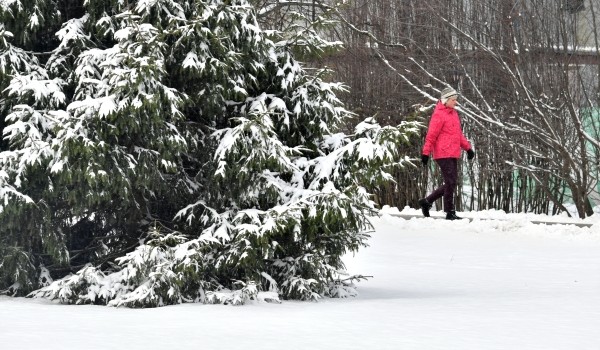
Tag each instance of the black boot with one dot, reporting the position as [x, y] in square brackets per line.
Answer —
[425, 206]
[451, 215]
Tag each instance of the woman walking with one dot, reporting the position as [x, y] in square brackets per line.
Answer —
[445, 139]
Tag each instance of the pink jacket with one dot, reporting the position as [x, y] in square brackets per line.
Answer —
[444, 136]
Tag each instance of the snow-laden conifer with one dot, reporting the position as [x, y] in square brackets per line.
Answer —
[172, 151]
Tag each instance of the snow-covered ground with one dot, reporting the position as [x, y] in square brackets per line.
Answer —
[486, 284]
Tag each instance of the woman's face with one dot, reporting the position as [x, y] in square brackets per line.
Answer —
[452, 102]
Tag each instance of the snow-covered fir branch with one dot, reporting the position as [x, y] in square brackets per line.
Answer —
[173, 151]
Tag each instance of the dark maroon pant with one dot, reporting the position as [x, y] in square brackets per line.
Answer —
[449, 168]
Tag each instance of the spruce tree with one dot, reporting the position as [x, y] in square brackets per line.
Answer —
[160, 152]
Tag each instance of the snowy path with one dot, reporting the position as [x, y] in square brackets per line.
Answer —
[441, 216]
[437, 285]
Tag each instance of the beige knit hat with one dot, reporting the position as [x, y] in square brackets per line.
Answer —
[447, 93]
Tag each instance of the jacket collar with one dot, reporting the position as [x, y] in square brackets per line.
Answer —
[443, 108]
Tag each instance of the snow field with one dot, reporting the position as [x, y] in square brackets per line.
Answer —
[487, 284]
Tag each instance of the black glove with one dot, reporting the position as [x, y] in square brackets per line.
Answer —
[424, 159]
[470, 154]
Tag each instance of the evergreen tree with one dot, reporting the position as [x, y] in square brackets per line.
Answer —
[167, 151]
